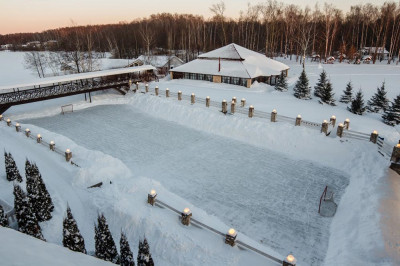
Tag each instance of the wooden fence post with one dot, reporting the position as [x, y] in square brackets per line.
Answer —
[224, 106]
[233, 107]
[290, 260]
[374, 137]
[38, 138]
[324, 127]
[192, 98]
[1, 117]
[52, 146]
[396, 154]
[243, 102]
[208, 101]
[151, 197]
[9, 122]
[17, 127]
[230, 237]
[27, 132]
[156, 90]
[339, 131]
[234, 99]
[147, 87]
[298, 120]
[167, 93]
[185, 216]
[137, 86]
[179, 96]
[251, 111]
[333, 120]
[347, 123]
[68, 155]
[273, 116]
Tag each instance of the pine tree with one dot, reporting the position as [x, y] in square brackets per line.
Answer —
[72, 237]
[3, 218]
[301, 89]
[379, 101]
[357, 104]
[37, 192]
[27, 222]
[392, 115]
[104, 243]
[327, 94]
[321, 85]
[347, 94]
[11, 168]
[281, 85]
[126, 258]
[144, 257]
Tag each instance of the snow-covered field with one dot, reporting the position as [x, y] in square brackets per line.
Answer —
[263, 179]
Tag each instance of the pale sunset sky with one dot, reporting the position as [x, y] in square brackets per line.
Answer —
[38, 15]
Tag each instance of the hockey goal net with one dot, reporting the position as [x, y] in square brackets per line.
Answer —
[69, 108]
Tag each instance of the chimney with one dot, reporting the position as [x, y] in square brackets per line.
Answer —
[219, 64]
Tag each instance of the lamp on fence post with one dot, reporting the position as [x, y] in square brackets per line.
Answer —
[27, 132]
[151, 197]
[68, 155]
[156, 90]
[298, 120]
[167, 93]
[290, 260]
[224, 106]
[233, 107]
[234, 99]
[179, 96]
[17, 127]
[230, 237]
[8, 122]
[339, 131]
[251, 111]
[324, 127]
[192, 98]
[1, 117]
[242, 102]
[208, 101]
[396, 154]
[147, 87]
[347, 123]
[185, 216]
[130, 83]
[333, 120]
[38, 138]
[273, 116]
[52, 145]
[374, 137]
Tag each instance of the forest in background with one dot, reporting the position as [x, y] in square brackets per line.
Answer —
[272, 27]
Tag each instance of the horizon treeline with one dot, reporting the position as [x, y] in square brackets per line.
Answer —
[273, 28]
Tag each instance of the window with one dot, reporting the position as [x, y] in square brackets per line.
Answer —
[243, 82]
[209, 78]
[193, 76]
[226, 79]
[200, 76]
[187, 76]
[235, 81]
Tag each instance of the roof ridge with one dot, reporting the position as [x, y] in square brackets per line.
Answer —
[234, 47]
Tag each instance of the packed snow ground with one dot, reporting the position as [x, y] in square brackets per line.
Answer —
[355, 234]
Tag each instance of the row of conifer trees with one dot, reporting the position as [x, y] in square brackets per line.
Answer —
[35, 205]
[323, 90]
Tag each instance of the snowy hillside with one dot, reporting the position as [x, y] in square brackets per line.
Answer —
[264, 179]
[19, 249]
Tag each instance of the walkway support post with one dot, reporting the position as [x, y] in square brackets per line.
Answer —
[9, 122]
[208, 101]
[290, 260]
[167, 93]
[230, 237]
[1, 117]
[52, 146]
[27, 132]
[156, 90]
[68, 155]
[242, 102]
[179, 96]
[39, 138]
[234, 99]
[147, 88]
[396, 154]
[17, 127]
[151, 197]
[233, 107]
[347, 123]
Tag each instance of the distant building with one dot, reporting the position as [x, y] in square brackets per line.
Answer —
[232, 64]
[6, 46]
[381, 52]
[163, 63]
[34, 44]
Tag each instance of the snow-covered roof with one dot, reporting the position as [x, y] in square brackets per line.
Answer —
[236, 61]
[373, 49]
[157, 60]
[73, 77]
